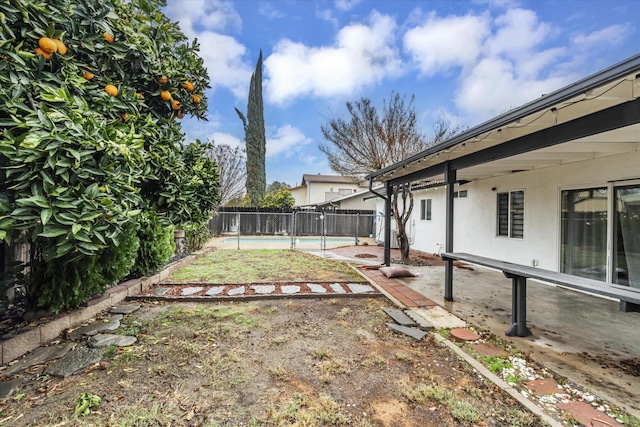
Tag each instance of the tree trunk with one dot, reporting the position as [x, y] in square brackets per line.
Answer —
[402, 216]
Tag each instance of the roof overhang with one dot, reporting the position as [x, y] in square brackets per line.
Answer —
[598, 116]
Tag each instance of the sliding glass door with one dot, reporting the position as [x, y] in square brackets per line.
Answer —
[584, 233]
[627, 236]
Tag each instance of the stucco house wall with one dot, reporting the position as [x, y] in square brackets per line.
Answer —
[475, 216]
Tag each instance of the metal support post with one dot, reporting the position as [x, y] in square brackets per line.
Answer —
[518, 307]
[450, 178]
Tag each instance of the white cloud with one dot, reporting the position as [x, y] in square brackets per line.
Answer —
[222, 54]
[609, 36]
[440, 44]
[222, 57]
[500, 60]
[225, 139]
[518, 32]
[287, 140]
[267, 9]
[203, 15]
[346, 5]
[362, 54]
[494, 86]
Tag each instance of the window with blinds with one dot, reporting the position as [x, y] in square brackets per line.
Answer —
[511, 214]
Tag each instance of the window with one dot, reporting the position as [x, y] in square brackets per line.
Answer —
[425, 209]
[460, 194]
[344, 191]
[511, 214]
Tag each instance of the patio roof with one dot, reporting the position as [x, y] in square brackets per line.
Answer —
[598, 116]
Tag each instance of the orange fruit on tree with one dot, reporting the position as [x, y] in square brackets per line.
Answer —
[87, 75]
[47, 45]
[176, 104]
[39, 51]
[124, 117]
[111, 90]
[62, 49]
[196, 98]
[108, 37]
[163, 80]
[139, 95]
[188, 86]
[180, 115]
[165, 95]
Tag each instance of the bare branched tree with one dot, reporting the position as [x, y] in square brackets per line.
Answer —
[365, 142]
[232, 171]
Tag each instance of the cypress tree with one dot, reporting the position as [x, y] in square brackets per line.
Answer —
[255, 139]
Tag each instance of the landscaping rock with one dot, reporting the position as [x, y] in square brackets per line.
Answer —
[587, 415]
[337, 288]
[160, 292]
[78, 358]
[236, 291]
[263, 289]
[488, 349]
[124, 308]
[7, 388]
[399, 316]
[462, 334]
[290, 289]
[105, 340]
[317, 289]
[216, 290]
[191, 291]
[415, 333]
[96, 327]
[38, 356]
[357, 288]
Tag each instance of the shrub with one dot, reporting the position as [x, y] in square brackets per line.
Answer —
[156, 243]
[117, 261]
[197, 235]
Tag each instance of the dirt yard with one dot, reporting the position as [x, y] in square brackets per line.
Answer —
[311, 362]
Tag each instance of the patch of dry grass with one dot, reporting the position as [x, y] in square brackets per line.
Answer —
[264, 265]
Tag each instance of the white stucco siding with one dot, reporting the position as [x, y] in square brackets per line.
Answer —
[429, 234]
[475, 217]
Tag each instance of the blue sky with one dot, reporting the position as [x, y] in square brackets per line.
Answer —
[466, 60]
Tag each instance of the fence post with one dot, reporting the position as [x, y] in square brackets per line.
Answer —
[238, 222]
[357, 227]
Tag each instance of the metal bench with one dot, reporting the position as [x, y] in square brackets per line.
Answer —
[629, 297]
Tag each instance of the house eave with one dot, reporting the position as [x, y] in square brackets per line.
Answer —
[615, 85]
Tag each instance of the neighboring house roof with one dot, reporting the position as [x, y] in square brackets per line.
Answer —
[339, 179]
[594, 117]
[363, 194]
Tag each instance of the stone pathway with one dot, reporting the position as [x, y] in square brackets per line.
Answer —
[213, 291]
[84, 348]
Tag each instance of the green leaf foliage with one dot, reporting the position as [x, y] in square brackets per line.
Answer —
[281, 198]
[156, 244]
[255, 138]
[197, 235]
[77, 164]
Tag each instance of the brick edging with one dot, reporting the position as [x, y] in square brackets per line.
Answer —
[25, 342]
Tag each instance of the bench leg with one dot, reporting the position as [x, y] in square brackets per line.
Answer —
[518, 308]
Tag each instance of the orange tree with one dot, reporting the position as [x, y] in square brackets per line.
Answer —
[88, 145]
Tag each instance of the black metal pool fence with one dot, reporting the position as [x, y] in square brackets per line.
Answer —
[295, 224]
